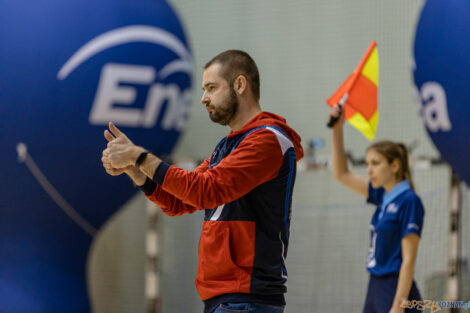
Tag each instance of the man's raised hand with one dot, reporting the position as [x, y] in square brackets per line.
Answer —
[107, 166]
[121, 151]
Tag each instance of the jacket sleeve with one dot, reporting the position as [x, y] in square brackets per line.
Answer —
[170, 204]
[256, 160]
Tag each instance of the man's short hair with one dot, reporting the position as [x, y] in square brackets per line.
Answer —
[235, 63]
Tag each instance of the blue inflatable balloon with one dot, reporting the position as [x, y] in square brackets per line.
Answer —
[441, 76]
[67, 68]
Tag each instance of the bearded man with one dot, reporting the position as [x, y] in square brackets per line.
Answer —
[245, 188]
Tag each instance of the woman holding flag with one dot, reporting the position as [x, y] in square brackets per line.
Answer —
[398, 220]
[396, 224]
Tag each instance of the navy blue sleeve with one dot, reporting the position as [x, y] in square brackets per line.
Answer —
[150, 184]
[375, 195]
[412, 217]
[160, 173]
[148, 187]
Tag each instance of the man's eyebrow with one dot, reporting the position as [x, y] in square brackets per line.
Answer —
[207, 84]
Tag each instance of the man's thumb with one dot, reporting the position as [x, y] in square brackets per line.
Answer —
[116, 132]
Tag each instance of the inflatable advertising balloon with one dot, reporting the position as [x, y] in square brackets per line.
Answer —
[441, 75]
[67, 68]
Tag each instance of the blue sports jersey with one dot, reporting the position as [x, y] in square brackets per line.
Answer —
[398, 214]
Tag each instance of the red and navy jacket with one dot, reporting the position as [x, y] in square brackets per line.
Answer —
[245, 188]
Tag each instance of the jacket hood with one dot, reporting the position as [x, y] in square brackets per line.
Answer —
[271, 119]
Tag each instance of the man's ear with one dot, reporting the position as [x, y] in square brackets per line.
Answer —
[240, 84]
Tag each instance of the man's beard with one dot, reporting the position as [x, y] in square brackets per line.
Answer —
[226, 111]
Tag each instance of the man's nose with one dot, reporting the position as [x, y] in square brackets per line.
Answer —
[205, 99]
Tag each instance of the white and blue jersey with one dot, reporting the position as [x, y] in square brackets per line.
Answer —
[398, 214]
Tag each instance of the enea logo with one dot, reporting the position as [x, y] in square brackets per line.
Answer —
[115, 90]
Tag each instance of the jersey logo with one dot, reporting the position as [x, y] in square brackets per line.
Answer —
[413, 226]
[392, 208]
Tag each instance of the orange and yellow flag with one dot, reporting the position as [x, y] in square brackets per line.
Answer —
[358, 94]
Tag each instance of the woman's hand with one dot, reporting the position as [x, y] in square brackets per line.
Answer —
[337, 112]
